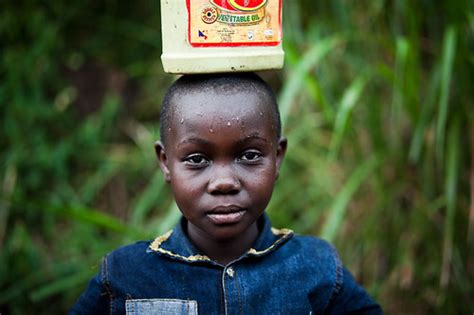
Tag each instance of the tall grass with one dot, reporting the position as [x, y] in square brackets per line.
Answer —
[379, 116]
[376, 101]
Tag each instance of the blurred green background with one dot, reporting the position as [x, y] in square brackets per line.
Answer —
[376, 99]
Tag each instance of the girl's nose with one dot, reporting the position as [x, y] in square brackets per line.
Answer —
[223, 181]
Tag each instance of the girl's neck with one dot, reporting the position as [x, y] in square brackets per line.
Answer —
[223, 251]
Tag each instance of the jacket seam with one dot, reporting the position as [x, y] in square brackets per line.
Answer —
[237, 284]
[222, 295]
[106, 283]
[338, 278]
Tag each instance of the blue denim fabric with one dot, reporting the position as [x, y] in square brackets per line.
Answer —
[281, 274]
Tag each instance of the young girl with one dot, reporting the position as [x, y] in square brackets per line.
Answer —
[220, 151]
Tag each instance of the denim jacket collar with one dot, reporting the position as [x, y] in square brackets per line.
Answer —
[176, 244]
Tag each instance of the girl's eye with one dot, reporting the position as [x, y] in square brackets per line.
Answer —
[196, 160]
[251, 156]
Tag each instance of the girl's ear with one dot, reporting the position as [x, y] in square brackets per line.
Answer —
[162, 158]
[280, 154]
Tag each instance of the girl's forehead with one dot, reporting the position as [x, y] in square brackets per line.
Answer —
[233, 115]
[212, 106]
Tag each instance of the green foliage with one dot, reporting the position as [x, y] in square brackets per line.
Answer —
[376, 101]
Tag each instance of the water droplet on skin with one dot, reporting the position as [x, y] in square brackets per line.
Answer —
[229, 124]
[237, 118]
[261, 113]
[169, 129]
[182, 120]
[211, 130]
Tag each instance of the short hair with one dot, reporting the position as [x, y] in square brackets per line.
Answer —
[224, 83]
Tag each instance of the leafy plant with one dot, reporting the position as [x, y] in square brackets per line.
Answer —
[376, 101]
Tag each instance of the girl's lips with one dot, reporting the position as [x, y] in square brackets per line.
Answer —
[226, 217]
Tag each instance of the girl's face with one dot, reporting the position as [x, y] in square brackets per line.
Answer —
[221, 159]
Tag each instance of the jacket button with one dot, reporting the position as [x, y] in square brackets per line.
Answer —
[230, 272]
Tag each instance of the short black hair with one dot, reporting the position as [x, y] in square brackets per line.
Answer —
[220, 83]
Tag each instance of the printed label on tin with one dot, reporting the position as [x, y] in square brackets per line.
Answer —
[226, 23]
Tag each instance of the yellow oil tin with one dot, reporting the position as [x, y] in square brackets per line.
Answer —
[206, 36]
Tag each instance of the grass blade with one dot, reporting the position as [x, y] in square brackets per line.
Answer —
[9, 183]
[398, 97]
[449, 50]
[451, 180]
[97, 218]
[166, 222]
[98, 180]
[424, 119]
[148, 198]
[349, 100]
[470, 228]
[339, 206]
[296, 80]
[61, 284]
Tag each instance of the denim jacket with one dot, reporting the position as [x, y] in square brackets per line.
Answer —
[281, 274]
